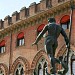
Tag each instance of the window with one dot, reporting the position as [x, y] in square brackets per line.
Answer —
[73, 64]
[20, 39]
[2, 49]
[73, 67]
[65, 26]
[44, 69]
[1, 72]
[19, 70]
[2, 46]
[20, 42]
[40, 70]
[65, 22]
[41, 67]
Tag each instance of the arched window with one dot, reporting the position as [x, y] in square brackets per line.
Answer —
[22, 71]
[40, 69]
[73, 65]
[2, 46]
[65, 22]
[45, 68]
[20, 39]
[1, 72]
[19, 70]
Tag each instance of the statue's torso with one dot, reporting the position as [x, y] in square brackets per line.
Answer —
[54, 30]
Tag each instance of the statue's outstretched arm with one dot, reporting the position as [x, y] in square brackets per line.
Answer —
[40, 35]
[65, 36]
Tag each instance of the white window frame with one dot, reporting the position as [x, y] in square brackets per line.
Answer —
[21, 42]
[2, 49]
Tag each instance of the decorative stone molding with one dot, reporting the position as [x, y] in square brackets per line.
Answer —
[20, 60]
[35, 19]
[40, 54]
[61, 51]
[64, 49]
[4, 67]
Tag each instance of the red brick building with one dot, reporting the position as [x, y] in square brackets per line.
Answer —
[18, 32]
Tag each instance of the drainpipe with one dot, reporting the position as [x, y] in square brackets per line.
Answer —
[10, 54]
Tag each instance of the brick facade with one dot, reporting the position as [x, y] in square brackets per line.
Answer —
[27, 21]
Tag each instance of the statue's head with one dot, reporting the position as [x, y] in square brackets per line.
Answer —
[51, 20]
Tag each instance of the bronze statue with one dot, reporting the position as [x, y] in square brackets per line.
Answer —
[51, 42]
[64, 65]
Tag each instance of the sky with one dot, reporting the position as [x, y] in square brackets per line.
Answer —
[7, 7]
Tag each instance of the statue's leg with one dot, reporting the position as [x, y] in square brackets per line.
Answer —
[65, 66]
[51, 57]
[54, 46]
